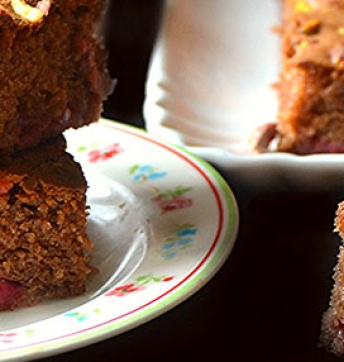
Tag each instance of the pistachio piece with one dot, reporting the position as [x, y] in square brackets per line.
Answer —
[311, 27]
[27, 12]
[304, 44]
[303, 6]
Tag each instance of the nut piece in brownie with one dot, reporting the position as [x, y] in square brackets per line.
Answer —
[44, 248]
[52, 69]
[311, 85]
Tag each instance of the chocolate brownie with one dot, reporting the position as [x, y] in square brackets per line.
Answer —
[44, 248]
[311, 86]
[333, 322]
[52, 69]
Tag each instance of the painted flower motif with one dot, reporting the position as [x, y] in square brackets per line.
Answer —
[140, 283]
[142, 173]
[7, 337]
[181, 239]
[81, 317]
[105, 154]
[10, 337]
[172, 200]
[126, 289]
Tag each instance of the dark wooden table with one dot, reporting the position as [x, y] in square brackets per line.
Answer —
[266, 302]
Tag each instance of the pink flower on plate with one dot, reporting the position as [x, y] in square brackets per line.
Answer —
[105, 153]
[177, 203]
[7, 337]
[172, 200]
[126, 289]
[140, 283]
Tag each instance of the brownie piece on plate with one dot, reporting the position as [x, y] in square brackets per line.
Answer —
[44, 248]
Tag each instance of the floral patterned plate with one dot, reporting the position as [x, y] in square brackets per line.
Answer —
[162, 221]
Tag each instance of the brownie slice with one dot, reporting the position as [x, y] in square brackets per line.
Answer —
[311, 86]
[44, 248]
[332, 336]
[52, 69]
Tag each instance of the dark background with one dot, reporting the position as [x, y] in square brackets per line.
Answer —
[266, 303]
[131, 28]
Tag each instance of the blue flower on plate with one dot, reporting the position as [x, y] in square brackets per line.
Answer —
[180, 239]
[142, 173]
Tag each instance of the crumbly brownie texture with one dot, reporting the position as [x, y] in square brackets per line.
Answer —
[332, 336]
[44, 248]
[311, 86]
[52, 70]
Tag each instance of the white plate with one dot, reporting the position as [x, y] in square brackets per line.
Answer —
[210, 86]
[163, 222]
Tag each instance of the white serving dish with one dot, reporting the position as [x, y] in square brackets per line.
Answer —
[210, 85]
